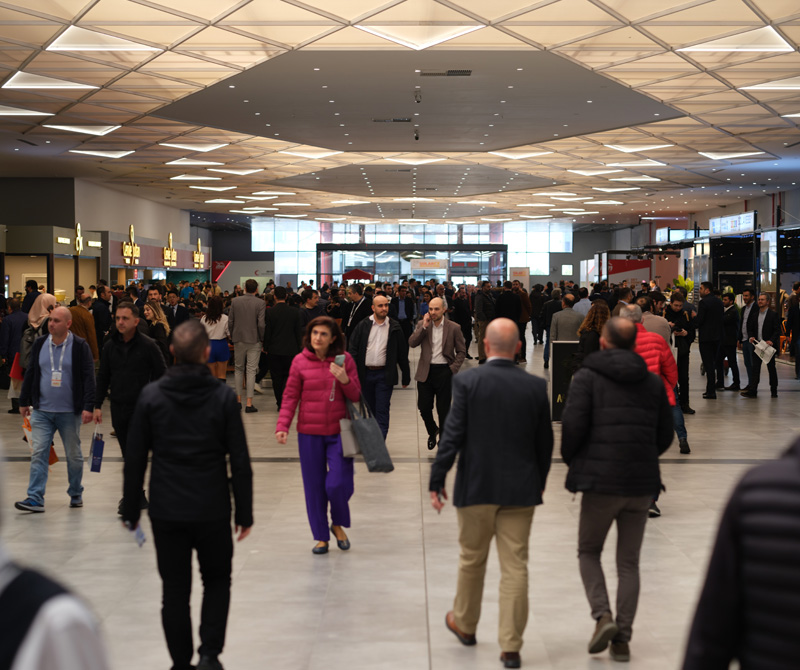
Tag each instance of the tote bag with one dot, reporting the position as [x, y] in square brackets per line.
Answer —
[369, 437]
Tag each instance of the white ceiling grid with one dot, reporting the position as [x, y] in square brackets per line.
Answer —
[702, 57]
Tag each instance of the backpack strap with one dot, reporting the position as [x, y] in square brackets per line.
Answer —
[20, 602]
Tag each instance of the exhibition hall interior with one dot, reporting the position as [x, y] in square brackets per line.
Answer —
[299, 143]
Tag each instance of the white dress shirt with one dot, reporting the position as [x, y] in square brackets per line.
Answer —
[377, 343]
[436, 349]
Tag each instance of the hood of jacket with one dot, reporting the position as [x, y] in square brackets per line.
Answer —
[188, 383]
[619, 365]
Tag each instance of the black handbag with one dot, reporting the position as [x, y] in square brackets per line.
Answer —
[369, 437]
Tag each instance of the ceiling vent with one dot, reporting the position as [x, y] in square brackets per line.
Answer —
[445, 73]
[397, 120]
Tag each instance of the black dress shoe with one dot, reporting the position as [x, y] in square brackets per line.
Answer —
[774, 394]
[209, 663]
[431, 442]
[511, 659]
[469, 358]
[546, 364]
[687, 410]
[709, 396]
[320, 550]
[747, 393]
[733, 387]
[344, 545]
[249, 409]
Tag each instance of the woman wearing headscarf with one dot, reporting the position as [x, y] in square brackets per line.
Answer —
[37, 325]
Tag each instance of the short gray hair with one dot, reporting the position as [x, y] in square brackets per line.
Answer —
[631, 313]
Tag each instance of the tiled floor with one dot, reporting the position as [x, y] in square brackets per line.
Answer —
[382, 604]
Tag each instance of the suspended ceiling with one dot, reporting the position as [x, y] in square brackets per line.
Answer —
[726, 69]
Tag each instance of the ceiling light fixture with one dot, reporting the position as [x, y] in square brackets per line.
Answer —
[102, 154]
[350, 202]
[616, 189]
[413, 199]
[25, 80]
[85, 130]
[638, 178]
[311, 153]
[415, 161]
[240, 173]
[214, 188]
[274, 193]
[634, 148]
[291, 204]
[17, 111]
[191, 161]
[725, 156]
[552, 193]
[194, 146]
[220, 201]
[80, 39]
[406, 37]
[519, 154]
[644, 162]
[592, 173]
[790, 84]
[761, 39]
[292, 216]
[194, 177]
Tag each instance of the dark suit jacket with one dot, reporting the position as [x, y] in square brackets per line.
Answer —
[709, 319]
[101, 311]
[283, 333]
[730, 323]
[362, 310]
[177, 319]
[396, 352]
[505, 440]
[771, 330]
[394, 308]
[454, 349]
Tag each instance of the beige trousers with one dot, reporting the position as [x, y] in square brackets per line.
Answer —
[511, 526]
[479, 335]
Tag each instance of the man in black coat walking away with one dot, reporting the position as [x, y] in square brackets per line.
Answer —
[617, 422]
[710, 327]
[191, 424]
[500, 426]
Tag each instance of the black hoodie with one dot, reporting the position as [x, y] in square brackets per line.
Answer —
[616, 422]
[191, 423]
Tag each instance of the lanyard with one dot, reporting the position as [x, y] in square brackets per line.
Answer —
[60, 360]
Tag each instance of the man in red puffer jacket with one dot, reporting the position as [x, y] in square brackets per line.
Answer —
[656, 353]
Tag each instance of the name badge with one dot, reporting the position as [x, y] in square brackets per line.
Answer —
[55, 379]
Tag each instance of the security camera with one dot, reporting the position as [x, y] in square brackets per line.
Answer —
[417, 96]
[416, 135]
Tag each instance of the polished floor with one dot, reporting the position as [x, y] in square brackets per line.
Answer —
[382, 604]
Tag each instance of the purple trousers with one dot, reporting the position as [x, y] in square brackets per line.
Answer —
[327, 478]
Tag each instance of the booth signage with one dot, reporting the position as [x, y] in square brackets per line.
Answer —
[95, 244]
[130, 250]
[63, 240]
[198, 257]
[428, 264]
[217, 268]
[662, 235]
[78, 240]
[732, 225]
[170, 254]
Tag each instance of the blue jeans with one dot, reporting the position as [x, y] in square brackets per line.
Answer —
[747, 355]
[43, 427]
[378, 395]
[677, 418]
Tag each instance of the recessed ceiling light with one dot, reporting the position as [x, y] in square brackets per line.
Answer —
[17, 111]
[291, 204]
[102, 154]
[724, 156]
[603, 202]
[25, 80]
[220, 201]
[413, 220]
[311, 153]
[553, 193]
[85, 130]
[415, 161]
[761, 39]
[593, 173]
[644, 162]
[790, 84]
[789, 116]
[331, 218]
[518, 155]
[262, 197]
[191, 161]
[274, 193]
[633, 148]
[638, 178]
[292, 216]
[402, 36]
[616, 189]
[494, 219]
[194, 146]
[80, 39]
[194, 177]
[214, 188]
[477, 202]
[537, 216]
[241, 172]
[570, 198]
[534, 204]
[413, 199]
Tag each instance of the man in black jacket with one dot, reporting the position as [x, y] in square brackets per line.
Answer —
[462, 315]
[551, 307]
[378, 345]
[101, 312]
[748, 606]
[683, 335]
[360, 308]
[283, 339]
[727, 349]
[59, 388]
[175, 312]
[484, 305]
[500, 425]
[401, 309]
[191, 424]
[129, 361]
[709, 323]
[762, 325]
[617, 423]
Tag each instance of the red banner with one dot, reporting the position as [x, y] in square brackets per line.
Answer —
[217, 268]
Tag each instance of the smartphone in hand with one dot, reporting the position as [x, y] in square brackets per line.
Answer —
[339, 360]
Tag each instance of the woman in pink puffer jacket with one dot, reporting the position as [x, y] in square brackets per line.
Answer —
[321, 386]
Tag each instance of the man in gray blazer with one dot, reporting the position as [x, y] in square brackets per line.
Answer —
[565, 323]
[500, 426]
[246, 326]
[443, 352]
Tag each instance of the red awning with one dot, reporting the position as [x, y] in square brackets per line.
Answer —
[357, 274]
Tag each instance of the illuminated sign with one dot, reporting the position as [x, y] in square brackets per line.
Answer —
[78, 240]
[170, 254]
[95, 244]
[198, 257]
[428, 263]
[130, 250]
[733, 225]
[662, 235]
[63, 240]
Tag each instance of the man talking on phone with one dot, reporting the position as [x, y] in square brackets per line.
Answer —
[190, 422]
[443, 351]
[500, 426]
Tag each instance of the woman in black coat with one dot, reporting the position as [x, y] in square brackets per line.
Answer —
[590, 330]
[158, 327]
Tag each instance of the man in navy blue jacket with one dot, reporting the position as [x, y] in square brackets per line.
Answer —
[500, 425]
[59, 388]
[10, 338]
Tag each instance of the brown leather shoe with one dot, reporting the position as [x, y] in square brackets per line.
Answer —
[465, 638]
[620, 652]
[511, 659]
[604, 632]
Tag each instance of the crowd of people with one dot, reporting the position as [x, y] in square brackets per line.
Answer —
[160, 354]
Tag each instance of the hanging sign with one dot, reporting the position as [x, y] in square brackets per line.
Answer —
[170, 254]
[78, 240]
[198, 257]
[130, 250]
